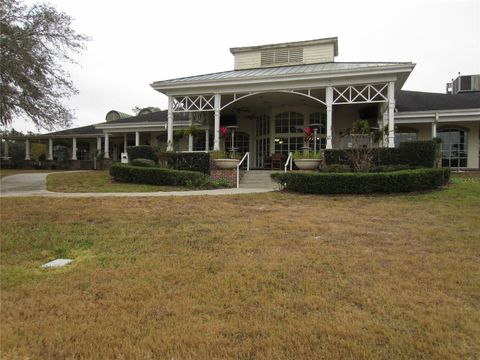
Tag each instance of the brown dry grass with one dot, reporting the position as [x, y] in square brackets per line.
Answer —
[277, 276]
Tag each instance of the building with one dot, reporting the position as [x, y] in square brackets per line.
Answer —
[276, 90]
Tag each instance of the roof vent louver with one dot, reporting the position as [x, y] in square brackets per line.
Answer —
[281, 56]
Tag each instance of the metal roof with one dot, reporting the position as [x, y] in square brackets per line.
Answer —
[283, 70]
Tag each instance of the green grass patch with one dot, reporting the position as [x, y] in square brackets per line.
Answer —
[99, 181]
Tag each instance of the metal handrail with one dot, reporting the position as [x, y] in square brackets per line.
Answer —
[247, 156]
[289, 161]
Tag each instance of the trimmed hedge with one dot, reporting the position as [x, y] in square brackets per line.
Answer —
[187, 161]
[142, 152]
[143, 162]
[363, 183]
[411, 153]
[156, 175]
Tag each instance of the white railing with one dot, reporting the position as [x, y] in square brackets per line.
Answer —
[246, 156]
[289, 161]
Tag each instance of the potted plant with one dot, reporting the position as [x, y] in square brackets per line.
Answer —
[306, 159]
[225, 160]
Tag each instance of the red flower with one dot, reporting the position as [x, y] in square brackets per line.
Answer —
[307, 134]
[223, 131]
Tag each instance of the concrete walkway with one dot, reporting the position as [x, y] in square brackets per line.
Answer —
[34, 184]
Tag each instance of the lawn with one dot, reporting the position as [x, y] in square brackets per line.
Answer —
[98, 181]
[261, 276]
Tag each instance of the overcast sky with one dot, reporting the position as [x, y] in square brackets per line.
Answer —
[137, 42]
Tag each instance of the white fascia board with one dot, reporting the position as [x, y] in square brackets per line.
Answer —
[132, 127]
[443, 116]
[281, 84]
[221, 85]
[46, 136]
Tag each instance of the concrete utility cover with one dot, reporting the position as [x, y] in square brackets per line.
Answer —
[57, 263]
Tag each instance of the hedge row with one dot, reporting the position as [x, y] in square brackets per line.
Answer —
[142, 152]
[156, 175]
[411, 153]
[363, 183]
[179, 161]
[187, 161]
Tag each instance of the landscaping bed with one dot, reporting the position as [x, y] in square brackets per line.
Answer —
[154, 175]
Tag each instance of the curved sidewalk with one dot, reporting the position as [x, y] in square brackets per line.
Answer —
[34, 184]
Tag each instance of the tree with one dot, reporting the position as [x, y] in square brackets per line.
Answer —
[35, 42]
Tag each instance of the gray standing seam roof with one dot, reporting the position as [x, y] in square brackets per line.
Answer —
[284, 70]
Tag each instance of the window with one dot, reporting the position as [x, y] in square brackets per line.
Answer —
[288, 122]
[405, 134]
[319, 118]
[60, 152]
[199, 141]
[83, 151]
[454, 147]
[288, 132]
[241, 142]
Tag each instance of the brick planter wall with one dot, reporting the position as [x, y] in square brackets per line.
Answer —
[229, 175]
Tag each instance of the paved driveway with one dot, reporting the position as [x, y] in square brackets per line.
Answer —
[34, 184]
[23, 183]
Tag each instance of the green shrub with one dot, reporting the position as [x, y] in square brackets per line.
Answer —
[390, 168]
[143, 162]
[306, 155]
[156, 175]
[363, 183]
[142, 152]
[336, 168]
[411, 153]
[187, 161]
[420, 153]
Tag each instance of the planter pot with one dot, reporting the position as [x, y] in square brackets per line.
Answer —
[226, 164]
[307, 164]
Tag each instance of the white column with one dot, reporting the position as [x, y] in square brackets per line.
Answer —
[384, 126]
[27, 149]
[106, 154]
[329, 103]
[391, 113]
[50, 149]
[5, 154]
[170, 124]
[125, 143]
[217, 105]
[434, 126]
[190, 136]
[74, 148]
[207, 140]
[99, 144]
[137, 138]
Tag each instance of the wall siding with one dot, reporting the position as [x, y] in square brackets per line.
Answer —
[247, 60]
[318, 53]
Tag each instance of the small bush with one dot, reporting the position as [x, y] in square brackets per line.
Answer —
[157, 176]
[390, 168]
[143, 162]
[142, 152]
[363, 183]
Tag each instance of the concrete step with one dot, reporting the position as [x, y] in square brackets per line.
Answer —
[257, 179]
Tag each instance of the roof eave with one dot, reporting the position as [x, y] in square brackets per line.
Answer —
[162, 86]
